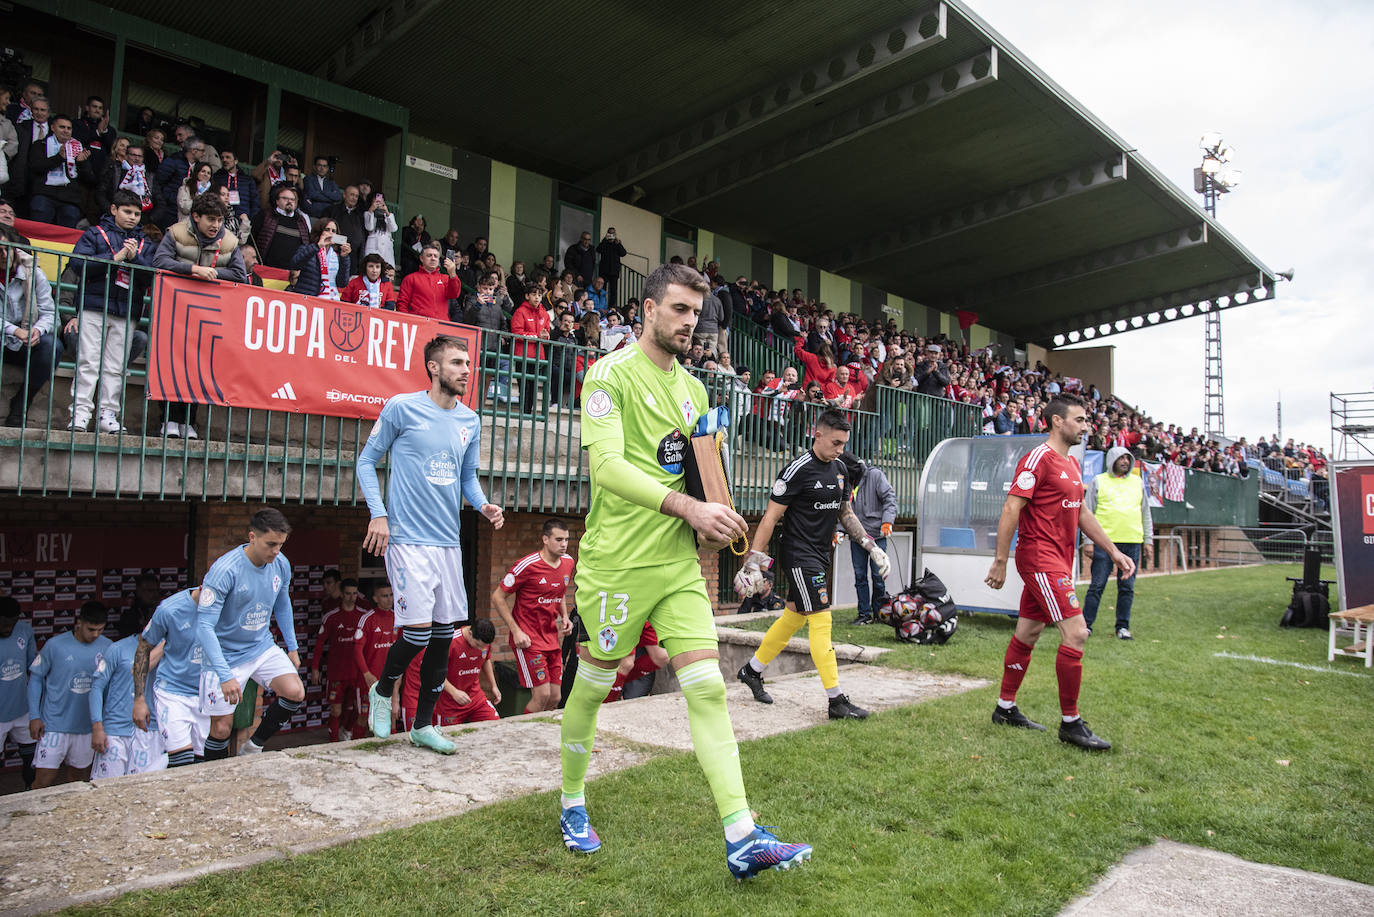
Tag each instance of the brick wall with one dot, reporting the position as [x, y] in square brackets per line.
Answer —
[221, 526]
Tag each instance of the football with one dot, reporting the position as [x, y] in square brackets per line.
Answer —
[930, 615]
[909, 631]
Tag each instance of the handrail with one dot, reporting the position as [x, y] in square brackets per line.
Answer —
[532, 457]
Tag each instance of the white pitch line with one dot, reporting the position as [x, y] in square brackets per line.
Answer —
[1296, 665]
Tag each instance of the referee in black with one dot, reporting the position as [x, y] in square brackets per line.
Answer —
[810, 495]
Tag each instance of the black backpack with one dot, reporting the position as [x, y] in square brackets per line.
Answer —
[1311, 602]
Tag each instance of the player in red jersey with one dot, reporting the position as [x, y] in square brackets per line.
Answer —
[1045, 510]
[372, 640]
[335, 638]
[648, 658]
[539, 620]
[333, 593]
[469, 692]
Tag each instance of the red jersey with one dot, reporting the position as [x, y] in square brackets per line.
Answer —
[372, 638]
[1048, 530]
[464, 665]
[539, 590]
[336, 633]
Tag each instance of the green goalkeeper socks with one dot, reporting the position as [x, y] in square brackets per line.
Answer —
[713, 737]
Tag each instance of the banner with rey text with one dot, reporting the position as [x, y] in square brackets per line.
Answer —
[1353, 510]
[250, 347]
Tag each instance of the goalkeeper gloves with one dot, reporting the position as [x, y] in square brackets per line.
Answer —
[750, 579]
[877, 555]
[886, 529]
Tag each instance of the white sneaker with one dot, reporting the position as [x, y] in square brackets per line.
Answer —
[249, 748]
[109, 423]
[79, 424]
[1123, 633]
[189, 431]
[171, 429]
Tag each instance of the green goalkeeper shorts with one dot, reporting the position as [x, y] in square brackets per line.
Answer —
[615, 604]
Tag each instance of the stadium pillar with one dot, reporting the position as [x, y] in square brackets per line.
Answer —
[269, 122]
[114, 108]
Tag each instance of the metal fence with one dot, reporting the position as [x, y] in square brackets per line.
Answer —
[1205, 546]
[531, 459]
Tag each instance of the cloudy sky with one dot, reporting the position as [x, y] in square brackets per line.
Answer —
[1291, 88]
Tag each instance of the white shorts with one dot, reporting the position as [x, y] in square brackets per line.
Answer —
[57, 748]
[132, 754]
[428, 584]
[17, 730]
[114, 760]
[180, 721]
[148, 754]
[271, 664]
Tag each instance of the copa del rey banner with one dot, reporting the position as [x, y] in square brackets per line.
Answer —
[250, 347]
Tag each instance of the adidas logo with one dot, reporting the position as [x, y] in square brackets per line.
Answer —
[1064, 475]
[285, 393]
[1017, 666]
[818, 485]
[543, 581]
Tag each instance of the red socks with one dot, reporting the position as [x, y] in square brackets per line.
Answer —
[1068, 666]
[333, 728]
[1014, 668]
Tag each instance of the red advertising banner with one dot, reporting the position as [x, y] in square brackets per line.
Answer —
[250, 347]
[1352, 502]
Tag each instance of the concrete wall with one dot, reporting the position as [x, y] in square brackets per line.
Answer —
[640, 231]
[1094, 365]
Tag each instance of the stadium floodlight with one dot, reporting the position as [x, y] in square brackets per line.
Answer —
[1210, 140]
[1227, 179]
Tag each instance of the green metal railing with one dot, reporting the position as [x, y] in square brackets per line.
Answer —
[748, 347]
[531, 448]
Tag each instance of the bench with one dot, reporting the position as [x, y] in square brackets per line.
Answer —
[1358, 625]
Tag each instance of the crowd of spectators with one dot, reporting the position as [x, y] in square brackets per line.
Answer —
[205, 213]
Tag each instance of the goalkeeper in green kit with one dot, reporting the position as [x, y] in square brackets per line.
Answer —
[638, 562]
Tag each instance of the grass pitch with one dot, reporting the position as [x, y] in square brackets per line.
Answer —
[928, 809]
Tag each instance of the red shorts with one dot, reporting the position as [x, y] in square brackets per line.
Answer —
[1048, 597]
[342, 692]
[539, 668]
[477, 712]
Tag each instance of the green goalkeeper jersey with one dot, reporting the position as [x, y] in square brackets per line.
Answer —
[647, 415]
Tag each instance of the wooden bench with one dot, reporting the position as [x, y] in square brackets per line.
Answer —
[1358, 625]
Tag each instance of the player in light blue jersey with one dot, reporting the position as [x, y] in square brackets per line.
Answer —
[17, 649]
[59, 711]
[121, 747]
[434, 441]
[242, 592]
[171, 643]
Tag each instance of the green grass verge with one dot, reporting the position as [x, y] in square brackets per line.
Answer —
[927, 809]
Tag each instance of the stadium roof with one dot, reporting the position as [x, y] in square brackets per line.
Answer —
[904, 145]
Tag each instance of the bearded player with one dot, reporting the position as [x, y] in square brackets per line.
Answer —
[638, 562]
[433, 440]
[1045, 509]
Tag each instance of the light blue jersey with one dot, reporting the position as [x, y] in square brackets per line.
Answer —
[433, 453]
[112, 689]
[16, 655]
[174, 625]
[237, 602]
[60, 680]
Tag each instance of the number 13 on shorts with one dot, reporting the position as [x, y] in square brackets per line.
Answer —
[621, 612]
[607, 638]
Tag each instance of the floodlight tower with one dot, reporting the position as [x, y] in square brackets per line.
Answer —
[1211, 179]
